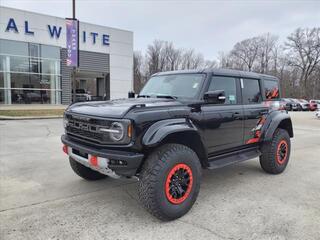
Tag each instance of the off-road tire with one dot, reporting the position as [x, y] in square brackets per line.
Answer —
[270, 159]
[85, 172]
[157, 169]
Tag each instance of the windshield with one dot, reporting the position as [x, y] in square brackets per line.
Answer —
[174, 86]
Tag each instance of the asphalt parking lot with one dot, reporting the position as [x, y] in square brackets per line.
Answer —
[41, 198]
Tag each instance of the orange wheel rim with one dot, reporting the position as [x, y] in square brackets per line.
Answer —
[282, 152]
[179, 183]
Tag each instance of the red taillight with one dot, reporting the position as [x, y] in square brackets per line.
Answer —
[65, 149]
[94, 161]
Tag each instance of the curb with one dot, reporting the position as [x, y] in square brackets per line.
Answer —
[29, 117]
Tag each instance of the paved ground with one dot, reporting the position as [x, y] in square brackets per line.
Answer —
[41, 198]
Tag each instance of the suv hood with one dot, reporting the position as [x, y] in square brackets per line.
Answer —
[118, 108]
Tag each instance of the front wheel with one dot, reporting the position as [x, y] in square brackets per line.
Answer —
[275, 154]
[170, 181]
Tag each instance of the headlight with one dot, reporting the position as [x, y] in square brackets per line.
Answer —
[119, 132]
[116, 131]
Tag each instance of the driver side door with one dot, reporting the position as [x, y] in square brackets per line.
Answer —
[224, 123]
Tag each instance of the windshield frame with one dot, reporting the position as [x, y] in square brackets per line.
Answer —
[198, 94]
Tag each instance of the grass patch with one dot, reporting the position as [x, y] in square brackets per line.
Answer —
[31, 113]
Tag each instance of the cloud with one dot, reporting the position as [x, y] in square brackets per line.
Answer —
[206, 26]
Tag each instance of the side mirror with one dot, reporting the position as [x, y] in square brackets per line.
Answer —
[216, 97]
[131, 94]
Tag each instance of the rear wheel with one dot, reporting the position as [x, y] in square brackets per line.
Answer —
[275, 154]
[84, 171]
[170, 181]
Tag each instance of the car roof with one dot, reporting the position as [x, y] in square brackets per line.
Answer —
[221, 71]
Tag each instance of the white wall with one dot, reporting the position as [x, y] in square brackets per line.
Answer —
[120, 47]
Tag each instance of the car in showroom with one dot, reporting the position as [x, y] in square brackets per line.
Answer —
[82, 95]
[181, 123]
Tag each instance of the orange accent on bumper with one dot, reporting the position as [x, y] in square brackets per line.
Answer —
[94, 161]
[65, 149]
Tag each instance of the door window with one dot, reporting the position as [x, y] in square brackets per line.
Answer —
[228, 84]
[271, 89]
[251, 93]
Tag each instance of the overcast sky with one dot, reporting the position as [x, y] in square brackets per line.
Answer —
[207, 26]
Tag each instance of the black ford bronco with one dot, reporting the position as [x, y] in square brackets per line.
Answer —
[180, 123]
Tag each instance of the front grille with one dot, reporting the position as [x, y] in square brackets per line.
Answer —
[86, 134]
[87, 128]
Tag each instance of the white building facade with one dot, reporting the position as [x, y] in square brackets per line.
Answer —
[33, 60]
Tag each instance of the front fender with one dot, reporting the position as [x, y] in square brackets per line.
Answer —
[277, 119]
[160, 130]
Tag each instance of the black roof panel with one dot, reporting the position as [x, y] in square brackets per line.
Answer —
[221, 71]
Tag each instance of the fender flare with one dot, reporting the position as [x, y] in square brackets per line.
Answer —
[161, 129]
[277, 119]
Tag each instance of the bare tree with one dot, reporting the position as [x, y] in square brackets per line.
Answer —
[137, 71]
[304, 48]
[191, 60]
[296, 64]
[267, 43]
[173, 57]
[210, 64]
[153, 57]
[247, 52]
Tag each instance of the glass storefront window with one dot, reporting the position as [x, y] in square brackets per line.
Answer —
[29, 73]
[1, 96]
[34, 65]
[50, 52]
[50, 66]
[13, 47]
[1, 80]
[2, 62]
[30, 96]
[24, 80]
[19, 64]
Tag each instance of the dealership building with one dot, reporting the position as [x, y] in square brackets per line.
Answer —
[33, 60]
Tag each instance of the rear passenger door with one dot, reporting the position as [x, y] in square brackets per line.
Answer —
[252, 106]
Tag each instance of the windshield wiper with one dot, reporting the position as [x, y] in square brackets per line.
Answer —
[143, 96]
[167, 96]
[157, 96]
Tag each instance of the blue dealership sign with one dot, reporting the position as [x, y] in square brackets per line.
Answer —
[72, 27]
[54, 31]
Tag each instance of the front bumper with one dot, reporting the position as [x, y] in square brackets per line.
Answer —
[109, 162]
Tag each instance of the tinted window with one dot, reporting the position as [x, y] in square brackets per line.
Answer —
[228, 84]
[271, 89]
[251, 91]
